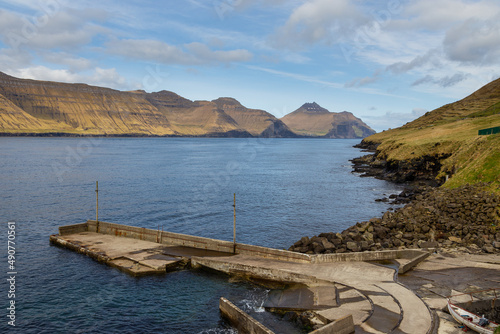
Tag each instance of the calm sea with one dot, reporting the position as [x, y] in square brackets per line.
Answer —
[285, 189]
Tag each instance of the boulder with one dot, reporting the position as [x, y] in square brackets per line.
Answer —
[328, 245]
[353, 246]
[466, 216]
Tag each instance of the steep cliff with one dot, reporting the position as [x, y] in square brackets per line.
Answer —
[38, 107]
[313, 120]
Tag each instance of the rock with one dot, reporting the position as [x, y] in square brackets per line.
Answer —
[336, 242]
[488, 249]
[363, 227]
[353, 246]
[447, 243]
[364, 245]
[407, 235]
[318, 248]
[428, 244]
[367, 236]
[466, 216]
[397, 242]
[328, 245]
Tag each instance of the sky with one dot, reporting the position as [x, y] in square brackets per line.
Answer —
[387, 62]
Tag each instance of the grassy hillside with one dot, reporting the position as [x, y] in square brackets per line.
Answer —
[451, 133]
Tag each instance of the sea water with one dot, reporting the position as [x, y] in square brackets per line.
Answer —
[285, 189]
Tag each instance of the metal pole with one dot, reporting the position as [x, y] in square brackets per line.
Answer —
[234, 224]
[97, 206]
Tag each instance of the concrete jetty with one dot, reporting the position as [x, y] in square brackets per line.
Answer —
[333, 286]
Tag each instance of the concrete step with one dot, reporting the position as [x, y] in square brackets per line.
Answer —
[386, 312]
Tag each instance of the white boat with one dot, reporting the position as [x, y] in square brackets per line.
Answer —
[470, 319]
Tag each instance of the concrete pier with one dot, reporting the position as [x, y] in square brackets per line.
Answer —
[241, 320]
[335, 287]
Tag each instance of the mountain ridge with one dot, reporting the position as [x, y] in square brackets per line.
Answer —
[315, 121]
[33, 107]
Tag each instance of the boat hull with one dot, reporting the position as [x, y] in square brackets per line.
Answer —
[458, 314]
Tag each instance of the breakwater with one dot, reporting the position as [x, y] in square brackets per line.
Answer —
[221, 246]
[142, 251]
[467, 218]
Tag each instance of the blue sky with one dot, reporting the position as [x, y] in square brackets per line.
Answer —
[388, 62]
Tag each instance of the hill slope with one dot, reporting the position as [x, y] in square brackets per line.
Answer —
[446, 142]
[313, 120]
[38, 107]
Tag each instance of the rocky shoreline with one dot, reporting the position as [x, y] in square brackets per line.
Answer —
[466, 218]
[423, 169]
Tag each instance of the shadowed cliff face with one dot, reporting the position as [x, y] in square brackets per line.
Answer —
[313, 120]
[37, 107]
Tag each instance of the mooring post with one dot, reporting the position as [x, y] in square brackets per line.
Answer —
[97, 206]
[234, 224]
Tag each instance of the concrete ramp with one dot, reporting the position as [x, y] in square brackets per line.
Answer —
[303, 298]
[377, 303]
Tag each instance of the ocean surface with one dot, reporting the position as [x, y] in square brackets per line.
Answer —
[285, 189]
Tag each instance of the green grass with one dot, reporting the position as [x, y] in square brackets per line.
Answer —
[451, 131]
[493, 110]
[476, 162]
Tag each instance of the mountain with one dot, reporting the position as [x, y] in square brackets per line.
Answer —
[446, 142]
[313, 120]
[256, 122]
[42, 107]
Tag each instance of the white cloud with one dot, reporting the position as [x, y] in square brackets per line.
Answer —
[391, 120]
[203, 54]
[62, 28]
[320, 21]
[359, 82]
[296, 76]
[444, 82]
[74, 64]
[431, 57]
[188, 54]
[441, 14]
[10, 58]
[98, 77]
[475, 41]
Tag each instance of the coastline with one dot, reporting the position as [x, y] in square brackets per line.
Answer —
[466, 217]
[461, 224]
[424, 169]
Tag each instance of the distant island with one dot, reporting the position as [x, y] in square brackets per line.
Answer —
[42, 108]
